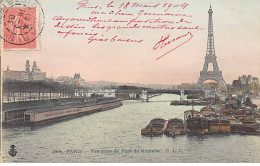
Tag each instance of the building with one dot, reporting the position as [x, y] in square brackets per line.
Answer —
[243, 80]
[107, 93]
[65, 80]
[92, 93]
[236, 83]
[132, 95]
[255, 85]
[210, 84]
[255, 80]
[76, 80]
[35, 75]
[247, 83]
[247, 80]
[186, 86]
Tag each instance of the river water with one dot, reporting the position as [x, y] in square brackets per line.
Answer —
[115, 136]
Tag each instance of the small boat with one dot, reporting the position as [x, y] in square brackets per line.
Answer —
[175, 127]
[154, 128]
[195, 123]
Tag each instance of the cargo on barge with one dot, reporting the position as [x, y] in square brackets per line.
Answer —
[235, 125]
[154, 128]
[250, 129]
[217, 123]
[175, 127]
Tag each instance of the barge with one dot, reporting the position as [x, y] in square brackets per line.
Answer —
[217, 123]
[227, 111]
[188, 102]
[235, 125]
[61, 112]
[250, 129]
[246, 119]
[154, 128]
[195, 123]
[175, 127]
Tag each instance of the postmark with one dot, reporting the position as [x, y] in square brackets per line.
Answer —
[22, 22]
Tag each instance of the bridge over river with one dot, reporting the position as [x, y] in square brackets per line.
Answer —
[146, 94]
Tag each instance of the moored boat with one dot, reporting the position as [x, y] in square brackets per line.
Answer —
[217, 123]
[250, 129]
[174, 127]
[226, 111]
[154, 128]
[195, 123]
[246, 119]
[235, 125]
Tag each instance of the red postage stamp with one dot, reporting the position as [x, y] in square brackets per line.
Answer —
[20, 30]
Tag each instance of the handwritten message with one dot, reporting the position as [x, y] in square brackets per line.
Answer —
[110, 21]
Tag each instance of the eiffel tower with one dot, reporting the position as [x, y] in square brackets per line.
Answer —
[216, 74]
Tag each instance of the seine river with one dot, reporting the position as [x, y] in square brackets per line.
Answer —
[115, 136]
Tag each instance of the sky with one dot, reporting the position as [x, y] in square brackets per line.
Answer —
[236, 33]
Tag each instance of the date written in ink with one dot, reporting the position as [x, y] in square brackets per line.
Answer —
[67, 151]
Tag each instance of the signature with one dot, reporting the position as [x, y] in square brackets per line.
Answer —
[165, 41]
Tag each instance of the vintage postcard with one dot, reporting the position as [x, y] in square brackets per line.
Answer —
[130, 81]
